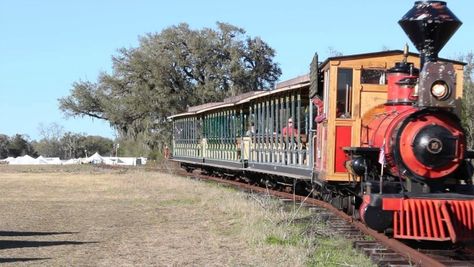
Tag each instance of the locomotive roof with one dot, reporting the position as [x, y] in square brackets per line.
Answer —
[383, 54]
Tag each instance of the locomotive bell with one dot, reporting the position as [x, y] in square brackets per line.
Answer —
[429, 25]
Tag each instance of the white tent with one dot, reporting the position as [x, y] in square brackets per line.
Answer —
[124, 161]
[24, 160]
[41, 160]
[55, 160]
[8, 160]
[127, 161]
[50, 161]
[94, 159]
[71, 161]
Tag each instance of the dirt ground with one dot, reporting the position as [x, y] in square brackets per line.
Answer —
[94, 217]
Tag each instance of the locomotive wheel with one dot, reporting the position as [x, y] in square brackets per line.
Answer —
[336, 202]
[300, 189]
[351, 208]
[327, 196]
[346, 204]
[317, 192]
[342, 203]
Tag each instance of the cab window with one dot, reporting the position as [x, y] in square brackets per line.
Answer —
[373, 76]
[344, 93]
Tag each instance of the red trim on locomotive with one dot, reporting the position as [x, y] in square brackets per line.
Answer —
[399, 93]
[432, 219]
[343, 139]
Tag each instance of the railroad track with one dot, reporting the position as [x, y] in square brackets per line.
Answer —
[382, 250]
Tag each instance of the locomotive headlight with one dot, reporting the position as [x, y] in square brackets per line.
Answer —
[440, 90]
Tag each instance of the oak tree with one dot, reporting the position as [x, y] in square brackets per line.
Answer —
[169, 71]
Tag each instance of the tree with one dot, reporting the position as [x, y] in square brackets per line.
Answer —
[73, 145]
[49, 145]
[20, 146]
[169, 71]
[92, 144]
[4, 144]
[51, 131]
[332, 52]
[468, 99]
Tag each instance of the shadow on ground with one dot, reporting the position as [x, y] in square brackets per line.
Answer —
[18, 244]
[8, 260]
[8, 244]
[17, 233]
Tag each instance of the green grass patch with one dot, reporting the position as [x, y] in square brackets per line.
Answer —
[296, 230]
[276, 240]
[336, 251]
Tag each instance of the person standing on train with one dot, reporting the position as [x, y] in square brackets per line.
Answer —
[290, 129]
[251, 130]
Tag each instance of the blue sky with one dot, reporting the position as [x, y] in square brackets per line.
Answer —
[47, 45]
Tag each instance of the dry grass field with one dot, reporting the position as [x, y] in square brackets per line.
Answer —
[87, 216]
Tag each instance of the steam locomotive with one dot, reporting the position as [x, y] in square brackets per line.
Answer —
[377, 135]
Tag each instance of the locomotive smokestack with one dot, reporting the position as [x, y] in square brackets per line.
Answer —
[429, 25]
